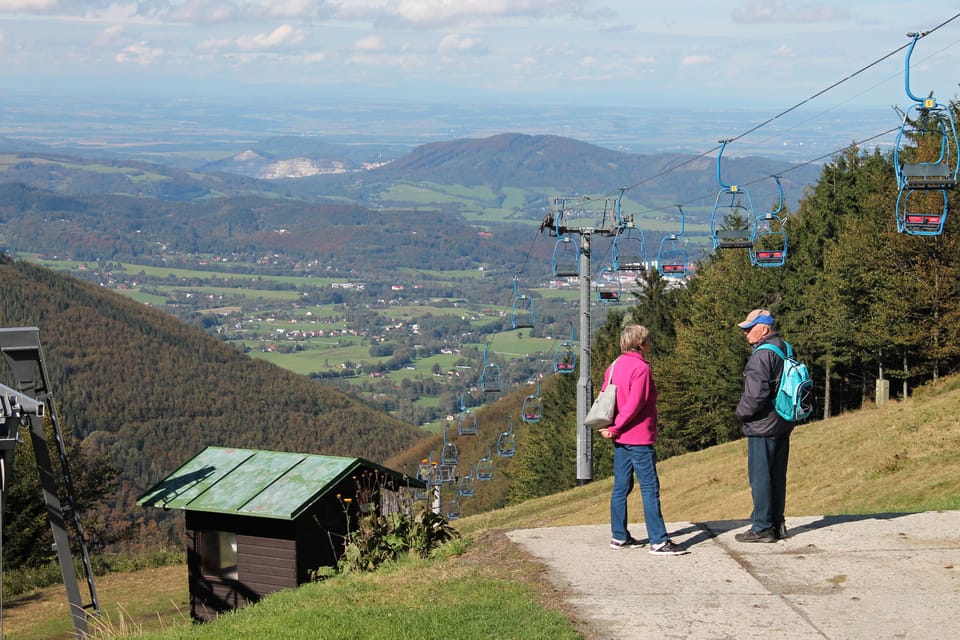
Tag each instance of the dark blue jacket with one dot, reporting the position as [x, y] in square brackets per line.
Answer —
[761, 380]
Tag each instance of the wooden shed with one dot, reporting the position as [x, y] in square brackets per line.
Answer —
[261, 521]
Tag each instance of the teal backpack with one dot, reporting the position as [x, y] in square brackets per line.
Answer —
[794, 401]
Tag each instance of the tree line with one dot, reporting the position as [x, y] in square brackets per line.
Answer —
[859, 301]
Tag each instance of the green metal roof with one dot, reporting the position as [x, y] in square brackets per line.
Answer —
[267, 484]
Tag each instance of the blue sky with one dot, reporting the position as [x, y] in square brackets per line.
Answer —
[651, 59]
[697, 53]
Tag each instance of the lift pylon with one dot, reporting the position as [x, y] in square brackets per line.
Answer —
[30, 401]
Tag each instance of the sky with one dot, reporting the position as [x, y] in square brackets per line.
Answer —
[658, 56]
[699, 52]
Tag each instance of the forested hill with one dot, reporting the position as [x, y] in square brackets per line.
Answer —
[151, 391]
[542, 165]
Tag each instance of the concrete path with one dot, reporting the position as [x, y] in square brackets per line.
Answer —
[835, 577]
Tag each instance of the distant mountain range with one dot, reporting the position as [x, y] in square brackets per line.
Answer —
[309, 168]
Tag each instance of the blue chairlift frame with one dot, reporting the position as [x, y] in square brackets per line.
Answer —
[466, 421]
[929, 176]
[607, 285]
[449, 454]
[565, 262]
[491, 377]
[565, 356]
[467, 484]
[451, 509]
[740, 207]
[531, 411]
[672, 255]
[507, 442]
[628, 252]
[769, 248]
[485, 466]
[523, 314]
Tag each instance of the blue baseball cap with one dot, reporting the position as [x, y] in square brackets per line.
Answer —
[757, 316]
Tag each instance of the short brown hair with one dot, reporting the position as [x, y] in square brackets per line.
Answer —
[632, 336]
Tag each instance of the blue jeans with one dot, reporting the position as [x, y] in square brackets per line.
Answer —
[767, 470]
[639, 459]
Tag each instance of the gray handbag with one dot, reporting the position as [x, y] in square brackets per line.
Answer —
[604, 408]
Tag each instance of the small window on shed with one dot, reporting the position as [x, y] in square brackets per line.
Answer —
[218, 554]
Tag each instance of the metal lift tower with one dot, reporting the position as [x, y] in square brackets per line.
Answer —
[559, 227]
[29, 402]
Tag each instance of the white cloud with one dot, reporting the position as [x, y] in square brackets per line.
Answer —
[293, 9]
[369, 44]
[758, 11]
[437, 13]
[139, 53]
[455, 44]
[284, 36]
[28, 6]
[695, 60]
[109, 36]
[784, 51]
[318, 56]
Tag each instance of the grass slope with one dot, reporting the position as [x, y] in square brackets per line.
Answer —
[901, 457]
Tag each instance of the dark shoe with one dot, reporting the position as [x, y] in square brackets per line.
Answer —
[780, 531]
[629, 543]
[667, 548]
[767, 535]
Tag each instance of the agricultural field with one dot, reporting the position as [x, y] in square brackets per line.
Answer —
[415, 357]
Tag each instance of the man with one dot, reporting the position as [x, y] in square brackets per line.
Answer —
[768, 434]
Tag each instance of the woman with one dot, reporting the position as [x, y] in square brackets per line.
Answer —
[634, 432]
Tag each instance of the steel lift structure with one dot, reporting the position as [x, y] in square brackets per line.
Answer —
[29, 402]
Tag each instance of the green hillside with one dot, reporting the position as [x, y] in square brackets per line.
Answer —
[901, 457]
[149, 391]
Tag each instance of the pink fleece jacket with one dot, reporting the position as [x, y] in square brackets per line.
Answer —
[636, 419]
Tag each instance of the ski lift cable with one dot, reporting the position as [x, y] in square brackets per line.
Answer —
[896, 76]
[766, 122]
[792, 167]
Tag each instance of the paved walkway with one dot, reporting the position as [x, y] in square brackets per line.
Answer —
[836, 577]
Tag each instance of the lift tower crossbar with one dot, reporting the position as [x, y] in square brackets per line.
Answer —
[584, 234]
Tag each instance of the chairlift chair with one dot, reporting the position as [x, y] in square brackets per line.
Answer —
[731, 222]
[507, 442]
[491, 377]
[769, 248]
[928, 139]
[629, 249]
[467, 485]
[429, 471]
[532, 409]
[466, 421]
[423, 473]
[565, 262]
[922, 212]
[608, 286]
[672, 254]
[452, 509]
[449, 454]
[565, 356]
[485, 467]
[522, 314]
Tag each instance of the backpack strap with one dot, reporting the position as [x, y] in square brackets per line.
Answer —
[777, 350]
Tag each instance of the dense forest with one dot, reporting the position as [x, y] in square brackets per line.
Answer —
[145, 392]
[858, 300]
